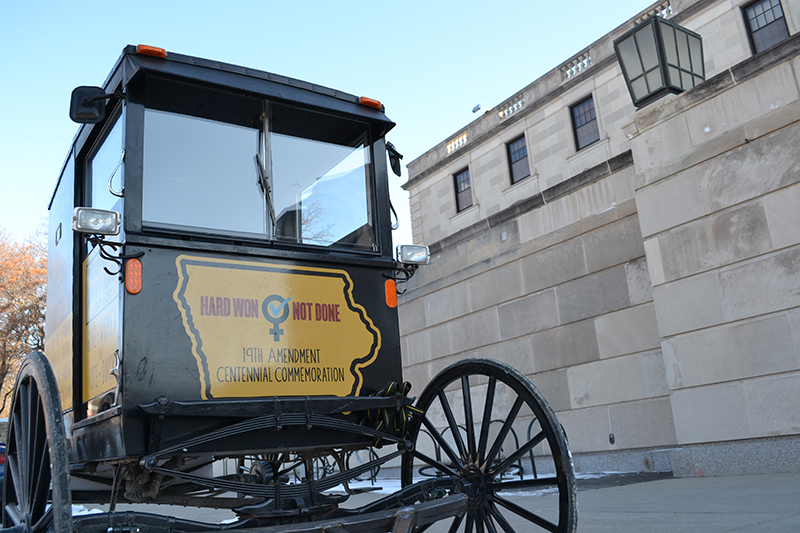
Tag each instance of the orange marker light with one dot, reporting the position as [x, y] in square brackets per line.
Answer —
[133, 276]
[371, 102]
[391, 293]
[151, 51]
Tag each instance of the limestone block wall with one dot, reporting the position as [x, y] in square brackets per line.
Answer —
[647, 284]
[541, 111]
[717, 191]
[560, 292]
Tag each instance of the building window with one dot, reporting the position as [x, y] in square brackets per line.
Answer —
[766, 24]
[463, 190]
[584, 121]
[518, 160]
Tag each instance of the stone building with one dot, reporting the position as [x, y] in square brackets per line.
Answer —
[641, 267]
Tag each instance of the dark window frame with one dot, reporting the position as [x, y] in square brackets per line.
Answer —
[775, 24]
[515, 160]
[463, 194]
[226, 106]
[585, 130]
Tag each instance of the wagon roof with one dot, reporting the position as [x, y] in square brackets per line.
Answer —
[132, 64]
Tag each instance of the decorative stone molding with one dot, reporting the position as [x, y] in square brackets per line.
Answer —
[457, 142]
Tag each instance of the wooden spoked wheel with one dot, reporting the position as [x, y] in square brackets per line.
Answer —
[36, 494]
[471, 394]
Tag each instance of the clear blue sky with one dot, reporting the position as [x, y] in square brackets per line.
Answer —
[428, 62]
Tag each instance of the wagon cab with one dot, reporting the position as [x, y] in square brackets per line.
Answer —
[253, 233]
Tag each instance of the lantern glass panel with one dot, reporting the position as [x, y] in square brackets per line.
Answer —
[639, 88]
[687, 81]
[670, 47]
[674, 76]
[683, 51]
[654, 80]
[696, 52]
[630, 57]
[646, 41]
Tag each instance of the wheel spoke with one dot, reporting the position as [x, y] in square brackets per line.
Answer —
[487, 418]
[12, 469]
[479, 521]
[27, 462]
[40, 469]
[34, 458]
[517, 455]
[468, 421]
[524, 484]
[487, 518]
[20, 480]
[451, 421]
[434, 463]
[527, 515]
[456, 523]
[470, 522]
[14, 513]
[41, 485]
[440, 440]
[43, 524]
[498, 443]
[500, 519]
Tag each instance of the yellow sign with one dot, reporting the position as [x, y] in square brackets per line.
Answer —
[264, 329]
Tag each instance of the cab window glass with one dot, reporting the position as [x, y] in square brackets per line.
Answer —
[105, 162]
[268, 171]
[320, 175]
[200, 174]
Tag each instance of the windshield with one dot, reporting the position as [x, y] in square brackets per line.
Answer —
[199, 174]
[293, 176]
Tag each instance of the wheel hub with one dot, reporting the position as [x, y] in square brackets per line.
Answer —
[475, 486]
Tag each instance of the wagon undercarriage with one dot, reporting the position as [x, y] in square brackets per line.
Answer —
[472, 472]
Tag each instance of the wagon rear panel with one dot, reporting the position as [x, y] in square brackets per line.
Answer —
[209, 327]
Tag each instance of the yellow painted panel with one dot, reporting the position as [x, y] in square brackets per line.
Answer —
[262, 329]
[101, 326]
[59, 354]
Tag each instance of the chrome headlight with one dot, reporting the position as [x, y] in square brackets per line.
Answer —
[413, 254]
[97, 221]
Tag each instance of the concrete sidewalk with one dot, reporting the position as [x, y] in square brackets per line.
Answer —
[757, 503]
[640, 503]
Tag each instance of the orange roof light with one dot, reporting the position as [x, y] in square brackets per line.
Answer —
[133, 276]
[151, 51]
[371, 102]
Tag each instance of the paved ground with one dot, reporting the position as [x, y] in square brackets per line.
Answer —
[652, 503]
[757, 504]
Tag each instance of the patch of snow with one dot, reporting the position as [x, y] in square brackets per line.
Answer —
[79, 510]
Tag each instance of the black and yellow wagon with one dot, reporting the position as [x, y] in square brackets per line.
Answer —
[222, 289]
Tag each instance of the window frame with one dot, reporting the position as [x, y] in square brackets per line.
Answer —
[460, 194]
[751, 33]
[243, 105]
[511, 162]
[575, 127]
